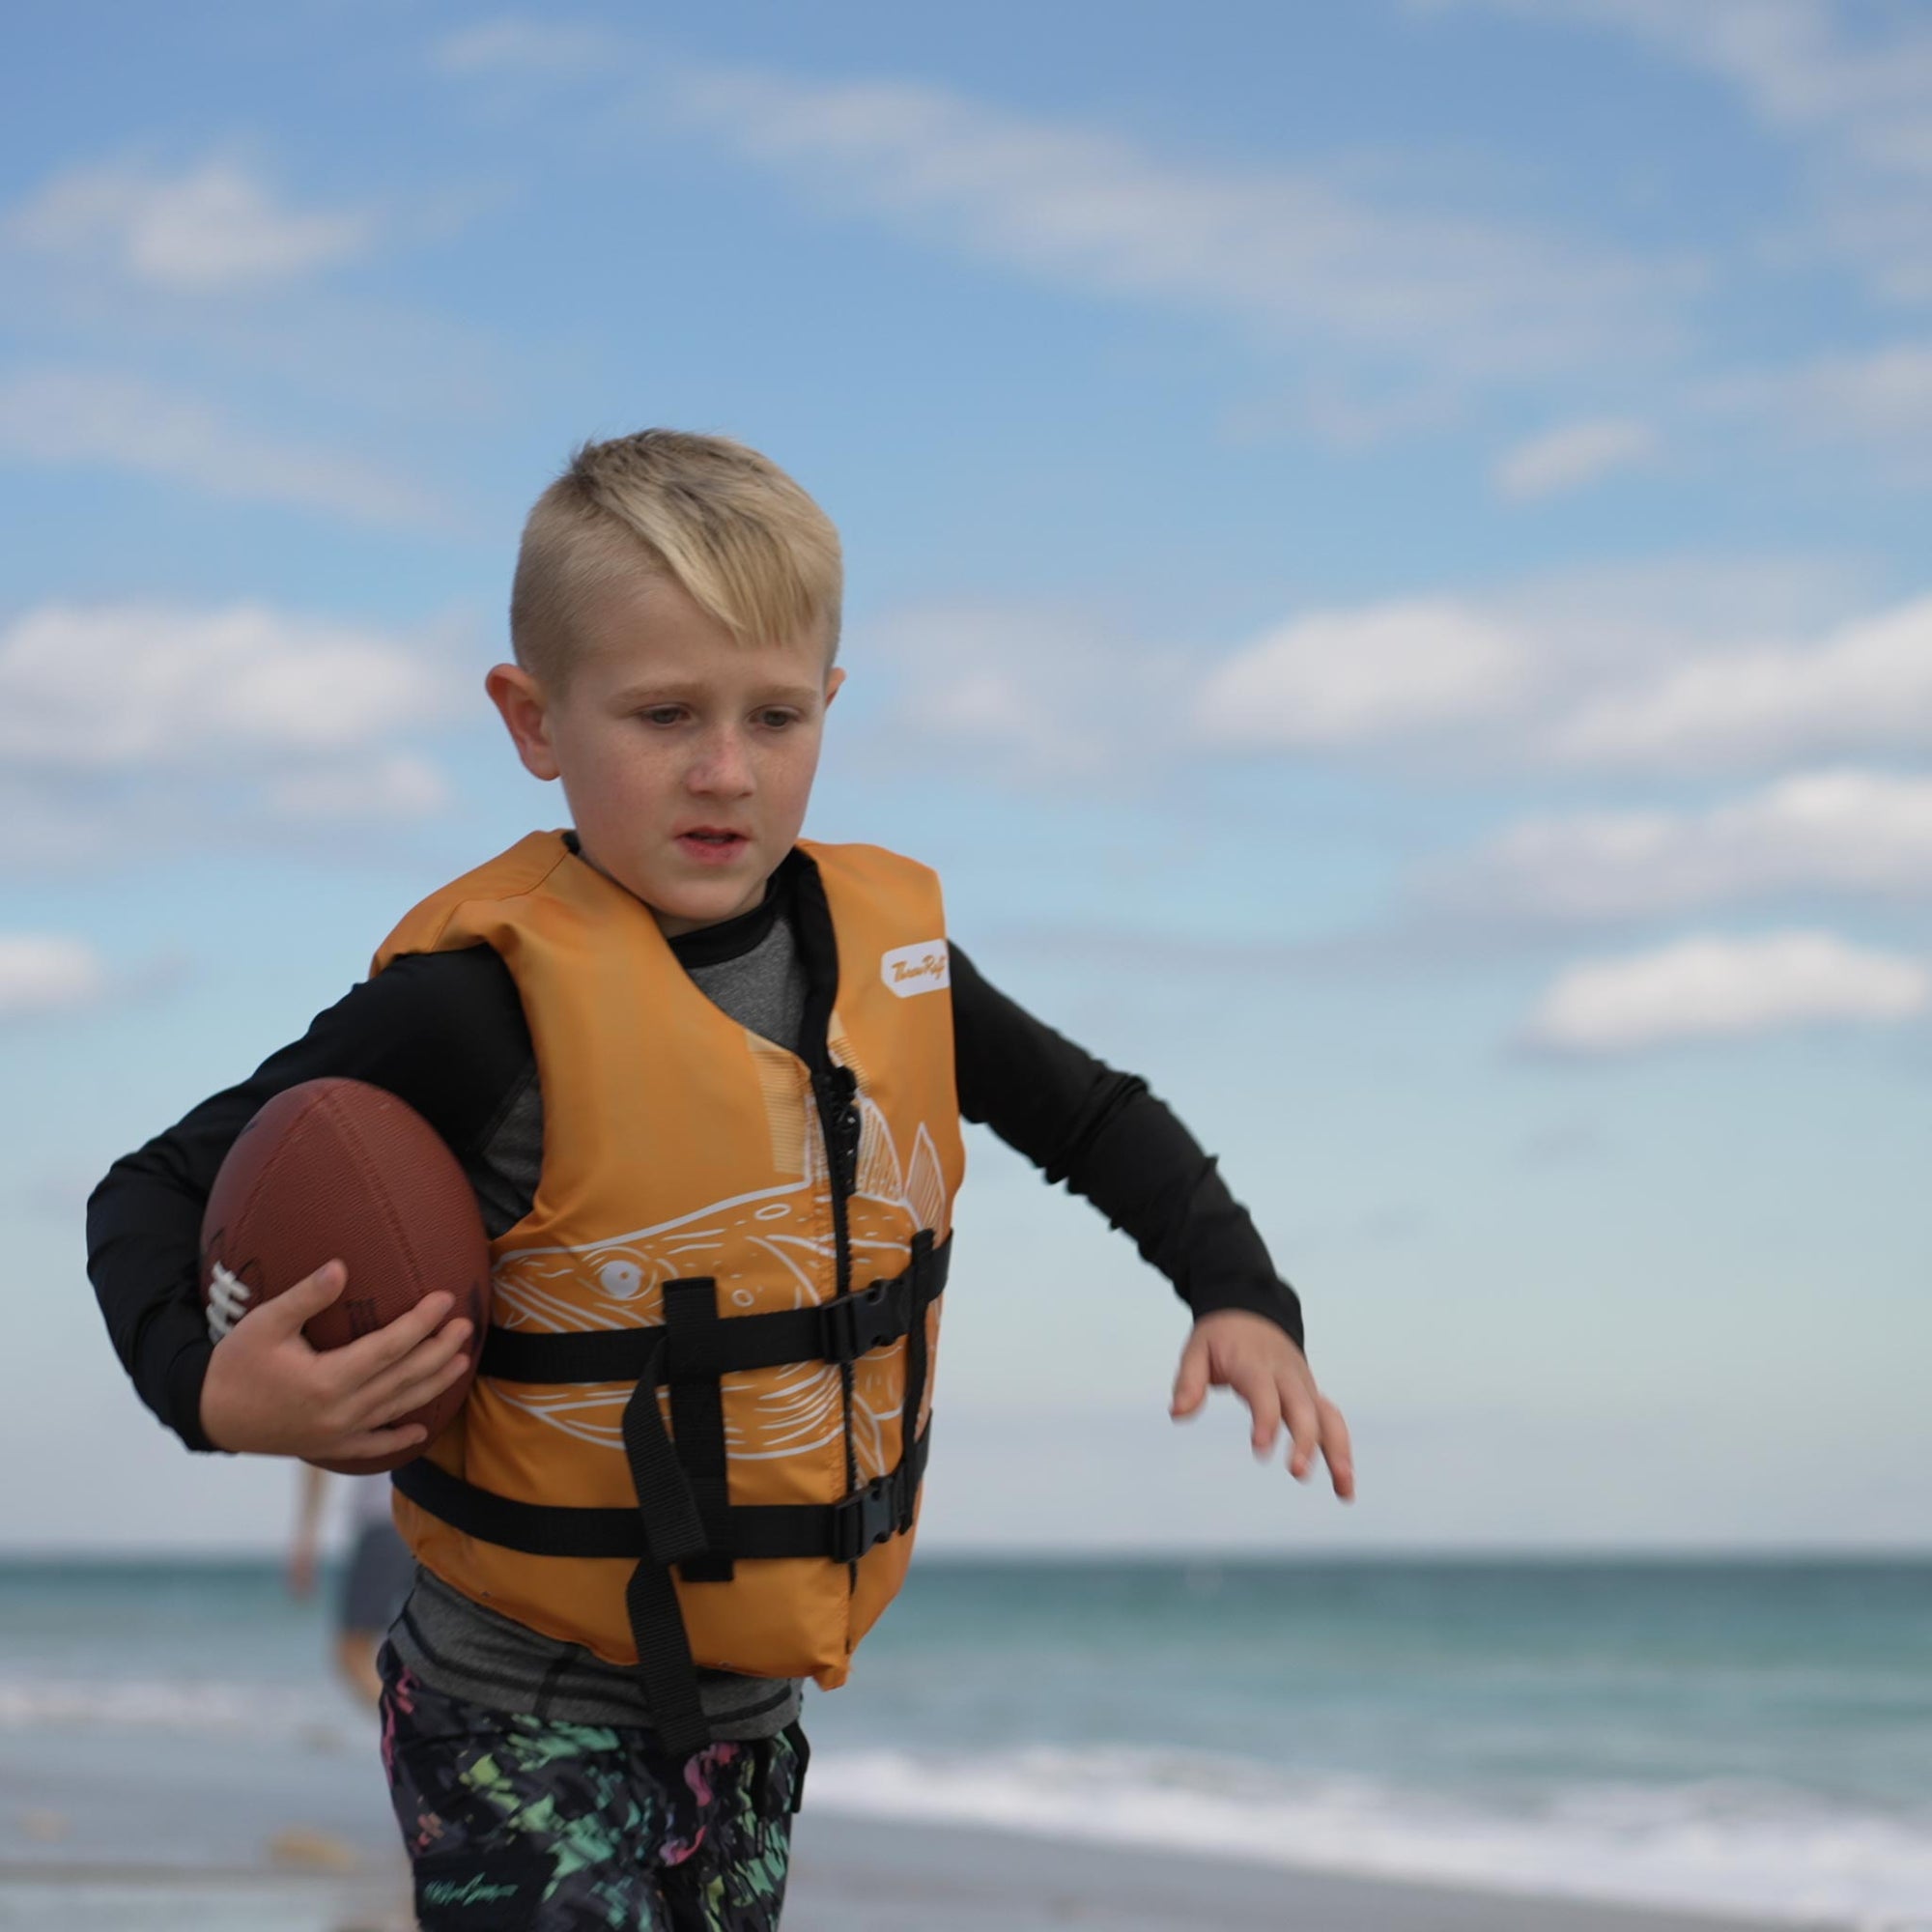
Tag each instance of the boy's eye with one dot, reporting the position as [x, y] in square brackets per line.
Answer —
[777, 721]
[663, 714]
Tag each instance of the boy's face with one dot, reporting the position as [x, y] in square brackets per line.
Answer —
[687, 756]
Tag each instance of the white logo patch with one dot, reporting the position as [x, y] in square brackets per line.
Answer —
[921, 968]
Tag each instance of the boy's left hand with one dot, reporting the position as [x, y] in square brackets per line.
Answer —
[1248, 1353]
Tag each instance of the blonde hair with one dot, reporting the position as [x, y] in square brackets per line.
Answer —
[727, 526]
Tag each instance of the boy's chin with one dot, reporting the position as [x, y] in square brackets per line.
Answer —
[683, 905]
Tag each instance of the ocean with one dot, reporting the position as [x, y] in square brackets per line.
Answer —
[1753, 1735]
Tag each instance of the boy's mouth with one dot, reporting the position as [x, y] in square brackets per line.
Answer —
[711, 845]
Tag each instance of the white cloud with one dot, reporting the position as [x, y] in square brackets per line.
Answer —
[1867, 684]
[1800, 65]
[114, 687]
[1285, 255]
[1713, 988]
[1572, 456]
[127, 728]
[521, 47]
[1853, 90]
[1877, 399]
[45, 973]
[1346, 677]
[1621, 622]
[1882, 396]
[1047, 694]
[1038, 694]
[1833, 831]
[1354, 415]
[215, 229]
[65, 417]
[1887, 236]
[1560, 670]
[381, 791]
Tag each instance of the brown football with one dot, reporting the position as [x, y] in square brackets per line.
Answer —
[338, 1170]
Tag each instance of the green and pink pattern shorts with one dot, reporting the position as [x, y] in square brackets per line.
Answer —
[517, 1823]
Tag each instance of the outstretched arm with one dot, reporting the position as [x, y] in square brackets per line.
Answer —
[1114, 1144]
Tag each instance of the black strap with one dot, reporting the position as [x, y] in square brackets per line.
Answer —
[665, 1667]
[672, 1527]
[665, 1528]
[915, 1364]
[697, 1421]
[834, 1331]
[537, 1529]
[841, 1531]
[673, 1532]
[685, 1518]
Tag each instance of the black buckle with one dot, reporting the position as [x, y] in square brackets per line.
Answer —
[857, 1323]
[866, 1517]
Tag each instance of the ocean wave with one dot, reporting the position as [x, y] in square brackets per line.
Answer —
[1771, 1851]
[187, 1706]
[1713, 1846]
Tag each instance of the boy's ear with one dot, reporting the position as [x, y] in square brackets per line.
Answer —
[834, 679]
[520, 697]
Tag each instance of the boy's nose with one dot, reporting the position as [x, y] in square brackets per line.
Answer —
[723, 768]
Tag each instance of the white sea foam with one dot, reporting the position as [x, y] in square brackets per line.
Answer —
[1771, 1852]
[1711, 1846]
[182, 1706]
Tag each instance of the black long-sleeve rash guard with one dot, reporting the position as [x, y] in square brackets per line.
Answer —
[445, 1031]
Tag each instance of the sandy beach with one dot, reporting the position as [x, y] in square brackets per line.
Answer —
[851, 1875]
[855, 1875]
[860, 1877]
[172, 1756]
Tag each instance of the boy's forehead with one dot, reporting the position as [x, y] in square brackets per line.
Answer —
[642, 625]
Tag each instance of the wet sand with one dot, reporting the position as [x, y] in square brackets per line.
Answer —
[854, 1875]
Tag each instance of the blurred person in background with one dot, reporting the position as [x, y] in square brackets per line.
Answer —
[374, 1583]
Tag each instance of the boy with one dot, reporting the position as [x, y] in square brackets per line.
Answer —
[706, 1080]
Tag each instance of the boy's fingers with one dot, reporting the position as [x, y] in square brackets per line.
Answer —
[309, 1296]
[1339, 1450]
[1304, 1428]
[422, 1364]
[450, 1373]
[363, 1359]
[372, 1442]
[1190, 1385]
[1257, 1388]
[400, 1398]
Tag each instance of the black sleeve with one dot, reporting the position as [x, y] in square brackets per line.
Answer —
[1116, 1145]
[444, 1031]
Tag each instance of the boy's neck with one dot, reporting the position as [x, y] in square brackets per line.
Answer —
[730, 938]
[721, 939]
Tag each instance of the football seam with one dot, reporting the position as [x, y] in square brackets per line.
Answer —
[249, 1200]
[372, 1175]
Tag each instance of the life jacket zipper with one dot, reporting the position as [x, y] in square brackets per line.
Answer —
[837, 1098]
[833, 1092]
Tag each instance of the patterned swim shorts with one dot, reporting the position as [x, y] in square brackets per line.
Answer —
[517, 1823]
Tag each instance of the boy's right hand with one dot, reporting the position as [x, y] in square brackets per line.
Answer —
[268, 1392]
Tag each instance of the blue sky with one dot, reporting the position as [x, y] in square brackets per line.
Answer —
[1386, 567]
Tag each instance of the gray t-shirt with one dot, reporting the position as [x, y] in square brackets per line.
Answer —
[462, 1648]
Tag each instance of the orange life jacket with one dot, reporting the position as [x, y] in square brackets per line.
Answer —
[688, 1441]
